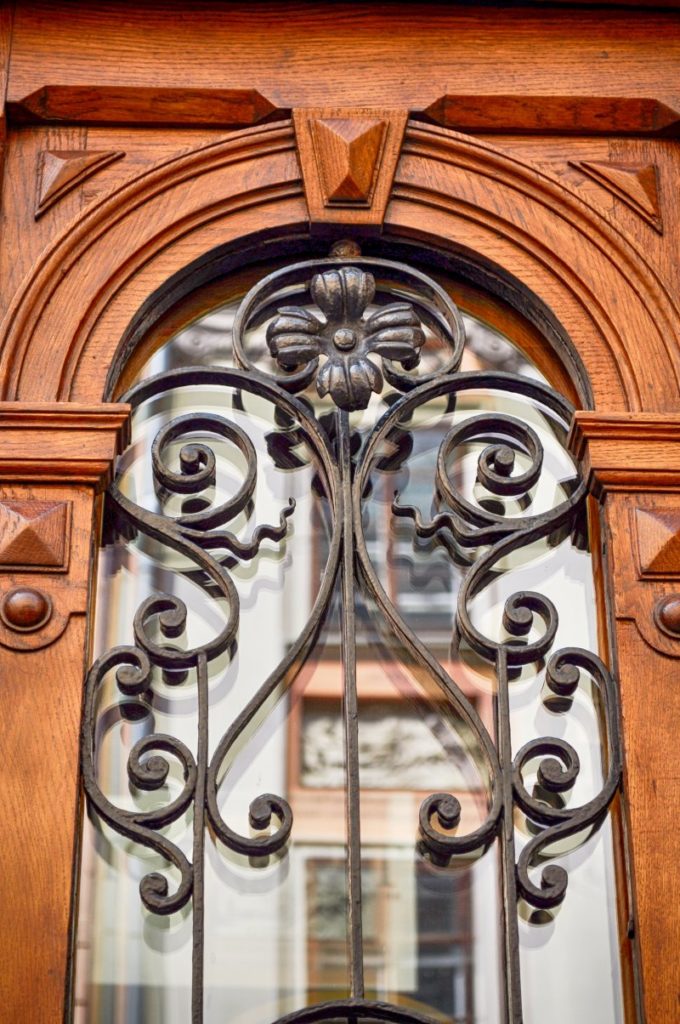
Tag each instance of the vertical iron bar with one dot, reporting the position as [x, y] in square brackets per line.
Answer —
[351, 713]
[199, 843]
[513, 986]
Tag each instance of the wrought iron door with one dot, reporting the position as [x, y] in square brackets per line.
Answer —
[354, 327]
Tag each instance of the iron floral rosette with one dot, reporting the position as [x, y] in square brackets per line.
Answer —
[343, 331]
[298, 336]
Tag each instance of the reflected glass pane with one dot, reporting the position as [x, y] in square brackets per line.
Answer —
[275, 926]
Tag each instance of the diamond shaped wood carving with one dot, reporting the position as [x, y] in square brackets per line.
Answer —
[658, 537]
[348, 160]
[34, 534]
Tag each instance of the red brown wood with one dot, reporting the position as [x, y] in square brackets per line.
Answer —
[348, 160]
[566, 210]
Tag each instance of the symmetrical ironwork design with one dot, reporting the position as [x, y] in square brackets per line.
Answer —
[409, 309]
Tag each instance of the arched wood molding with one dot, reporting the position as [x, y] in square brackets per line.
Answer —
[69, 321]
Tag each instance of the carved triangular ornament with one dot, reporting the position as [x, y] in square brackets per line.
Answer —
[636, 185]
[348, 153]
[33, 533]
[658, 537]
[59, 171]
[348, 159]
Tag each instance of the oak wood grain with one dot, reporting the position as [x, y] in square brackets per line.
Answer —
[348, 159]
[292, 52]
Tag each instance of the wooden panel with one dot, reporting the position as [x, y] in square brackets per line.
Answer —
[298, 54]
[40, 719]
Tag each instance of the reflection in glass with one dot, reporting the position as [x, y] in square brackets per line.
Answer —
[275, 926]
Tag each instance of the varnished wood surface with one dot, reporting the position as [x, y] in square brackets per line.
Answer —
[301, 54]
[39, 722]
[58, 457]
[551, 90]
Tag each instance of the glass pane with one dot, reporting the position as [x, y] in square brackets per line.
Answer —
[274, 925]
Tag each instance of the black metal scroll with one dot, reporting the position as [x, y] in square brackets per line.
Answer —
[370, 321]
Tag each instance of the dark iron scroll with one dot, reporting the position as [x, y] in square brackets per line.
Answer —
[371, 320]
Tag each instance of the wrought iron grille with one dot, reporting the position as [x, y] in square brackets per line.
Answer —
[362, 352]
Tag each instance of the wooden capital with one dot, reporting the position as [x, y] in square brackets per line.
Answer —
[627, 451]
[61, 442]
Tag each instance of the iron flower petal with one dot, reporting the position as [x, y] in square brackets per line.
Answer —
[293, 337]
[349, 381]
[342, 294]
[395, 332]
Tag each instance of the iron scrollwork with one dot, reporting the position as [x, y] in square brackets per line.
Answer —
[348, 312]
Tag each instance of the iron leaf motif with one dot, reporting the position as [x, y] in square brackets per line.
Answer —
[297, 336]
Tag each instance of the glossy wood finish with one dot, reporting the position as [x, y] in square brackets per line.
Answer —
[348, 159]
[302, 54]
[540, 163]
[54, 461]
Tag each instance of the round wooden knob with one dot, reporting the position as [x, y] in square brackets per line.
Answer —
[24, 609]
[667, 613]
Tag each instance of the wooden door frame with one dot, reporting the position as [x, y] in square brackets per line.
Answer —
[523, 233]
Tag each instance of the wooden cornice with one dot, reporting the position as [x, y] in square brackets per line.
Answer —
[61, 442]
[627, 451]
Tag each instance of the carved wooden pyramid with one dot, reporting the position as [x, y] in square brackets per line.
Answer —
[348, 160]
[33, 533]
[634, 184]
[59, 171]
[658, 536]
[348, 154]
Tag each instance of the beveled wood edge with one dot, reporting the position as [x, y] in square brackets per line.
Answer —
[230, 109]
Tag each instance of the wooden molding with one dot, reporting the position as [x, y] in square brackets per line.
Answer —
[627, 451]
[61, 441]
[148, 106]
[59, 171]
[637, 185]
[450, 191]
[568, 115]
[348, 160]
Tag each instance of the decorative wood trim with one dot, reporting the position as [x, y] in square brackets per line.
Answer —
[657, 531]
[632, 462]
[450, 191]
[34, 534]
[59, 171]
[558, 114]
[61, 441]
[627, 452]
[637, 185]
[149, 106]
[348, 160]
[53, 459]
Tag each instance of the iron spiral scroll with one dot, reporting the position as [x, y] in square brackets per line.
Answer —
[371, 320]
